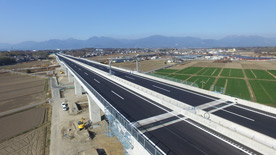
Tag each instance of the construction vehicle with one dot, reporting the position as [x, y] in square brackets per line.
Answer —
[61, 72]
[81, 124]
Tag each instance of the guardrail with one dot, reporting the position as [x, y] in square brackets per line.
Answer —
[136, 133]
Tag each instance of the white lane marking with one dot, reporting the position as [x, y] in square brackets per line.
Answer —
[161, 88]
[85, 73]
[255, 111]
[96, 80]
[238, 115]
[129, 77]
[79, 69]
[117, 94]
[184, 119]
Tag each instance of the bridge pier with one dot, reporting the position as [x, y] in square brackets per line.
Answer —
[78, 88]
[66, 71]
[70, 77]
[94, 110]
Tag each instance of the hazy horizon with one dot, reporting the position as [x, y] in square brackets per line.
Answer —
[34, 20]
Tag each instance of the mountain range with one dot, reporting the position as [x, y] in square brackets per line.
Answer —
[155, 41]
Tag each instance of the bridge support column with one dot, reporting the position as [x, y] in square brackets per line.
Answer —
[62, 66]
[70, 77]
[94, 110]
[78, 88]
[65, 71]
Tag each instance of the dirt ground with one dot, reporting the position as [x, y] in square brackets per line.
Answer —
[265, 65]
[15, 124]
[27, 64]
[25, 144]
[18, 90]
[145, 66]
[65, 137]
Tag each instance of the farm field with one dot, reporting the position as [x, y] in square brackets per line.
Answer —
[265, 91]
[262, 82]
[227, 72]
[18, 90]
[208, 81]
[209, 71]
[15, 124]
[166, 71]
[237, 88]
[273, 72]
[144, 66]
[189, 70]
[27, 143]
[27, 64]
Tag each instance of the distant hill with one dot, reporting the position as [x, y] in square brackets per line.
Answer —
[155, 41]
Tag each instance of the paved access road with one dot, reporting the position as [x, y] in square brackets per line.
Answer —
[173, 136]
[254, 119]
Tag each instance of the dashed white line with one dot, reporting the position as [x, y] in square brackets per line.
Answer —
[79, 69]
[238, 115]
[161, 88]
[117, 95]
[97, 81]
[129, 77]
[85, 73]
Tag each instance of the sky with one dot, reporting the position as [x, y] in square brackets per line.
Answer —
[39, 20]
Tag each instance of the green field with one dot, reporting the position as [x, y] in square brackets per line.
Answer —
[227, 72]
[167, 71]
[258, 74]
[261, 74]
[180, 77]
[161, 73]
[190, 70]
[200, 79]
[273, 72]
[263, 83]
[265, 91]
[221, 82]
[237, 88]
[209, 71]
[249, 74]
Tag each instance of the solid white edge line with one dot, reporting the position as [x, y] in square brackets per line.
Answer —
[238, 115]
[255, 111]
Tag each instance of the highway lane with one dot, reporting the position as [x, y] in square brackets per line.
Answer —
[179, 139]
[184, 95]
[260, 123]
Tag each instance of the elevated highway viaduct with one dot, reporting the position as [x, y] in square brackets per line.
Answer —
[172, 133]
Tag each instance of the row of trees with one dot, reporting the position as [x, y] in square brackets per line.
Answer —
[6, 61]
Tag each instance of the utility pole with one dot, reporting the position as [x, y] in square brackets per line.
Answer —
[202, 82]
[137, 64]
[110, 61]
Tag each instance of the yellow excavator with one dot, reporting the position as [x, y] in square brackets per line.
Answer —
[81, 124]
[61, 72]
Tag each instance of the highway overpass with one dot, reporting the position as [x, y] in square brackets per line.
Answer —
[168, 129]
